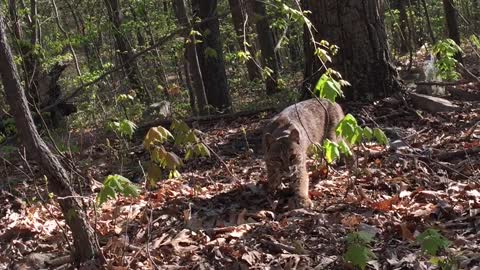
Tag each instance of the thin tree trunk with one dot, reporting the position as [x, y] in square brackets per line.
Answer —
[238, 11]
[85, 244]
[267, 45]
[125, 50]
[192, 62]
[429, 23]
[403, 27]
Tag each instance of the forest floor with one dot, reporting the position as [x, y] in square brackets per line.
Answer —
[218, 216]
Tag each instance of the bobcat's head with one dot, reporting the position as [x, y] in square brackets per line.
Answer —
[283, 155]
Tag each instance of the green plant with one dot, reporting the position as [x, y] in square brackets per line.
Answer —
[113, 185]
[124, 127]
[358, 251]
[432, 242]
[446, 50]
[161, 159]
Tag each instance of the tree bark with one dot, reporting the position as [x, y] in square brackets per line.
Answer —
[237, 8]
[210, 55]
[451, 18]
[193, 65]
[85, 244]
[124, 49]
[357, 27]
[267, 45]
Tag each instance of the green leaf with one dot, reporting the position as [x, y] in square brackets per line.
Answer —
[114, 184]
[348, 129]
[367, 133]
[380, 136]
[331, 151]
[156, 134]
[358, 255]
[431, 241]
[344, 148]
[328, 88]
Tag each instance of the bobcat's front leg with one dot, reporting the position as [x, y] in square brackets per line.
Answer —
[300, 189]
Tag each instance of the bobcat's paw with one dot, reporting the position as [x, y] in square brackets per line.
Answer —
[300, 202]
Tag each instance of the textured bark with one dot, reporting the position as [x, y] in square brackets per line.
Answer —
[267, 45]
[194, 77]
[124, 49]
[357, 27]
[210, 55]
[85, 244]
[238, 10]
[451, 18]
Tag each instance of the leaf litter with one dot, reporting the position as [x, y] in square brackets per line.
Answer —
[218, 216]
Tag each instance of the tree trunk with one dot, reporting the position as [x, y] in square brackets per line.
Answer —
[357, 27]
[124, 49]
[85, 244]
[193, 66]
[238, 11]
[210, 55]
[429, 23]
[451, 18]
[267, 45]
[403, 27]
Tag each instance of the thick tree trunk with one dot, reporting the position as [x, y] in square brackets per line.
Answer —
[125, 50]
[451, 18]
[210, 55]
[193, 66]
[85, 244]
[267, 44]
[357, 27]
[238, 10]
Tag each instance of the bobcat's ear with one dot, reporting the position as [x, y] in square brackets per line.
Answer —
[268, 140]
[294, 136]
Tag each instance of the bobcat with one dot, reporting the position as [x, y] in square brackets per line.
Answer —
[286, 139]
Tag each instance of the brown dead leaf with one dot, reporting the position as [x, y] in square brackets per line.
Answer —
[385, 205]
[352, 221]
[407, 235]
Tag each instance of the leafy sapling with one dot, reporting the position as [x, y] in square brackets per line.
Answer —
[446, 50]
[113, 185]
[432, 242]
[358, 251]
[161, 159]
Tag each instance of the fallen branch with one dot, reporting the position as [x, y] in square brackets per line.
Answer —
[445, 156]
[437, 83]
[141, 130]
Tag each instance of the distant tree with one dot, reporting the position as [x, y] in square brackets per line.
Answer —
[210, 54]
[357, 27]
[267, 44]
[199, 99]
[238, 8]
[59, 181]
[124, 49]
